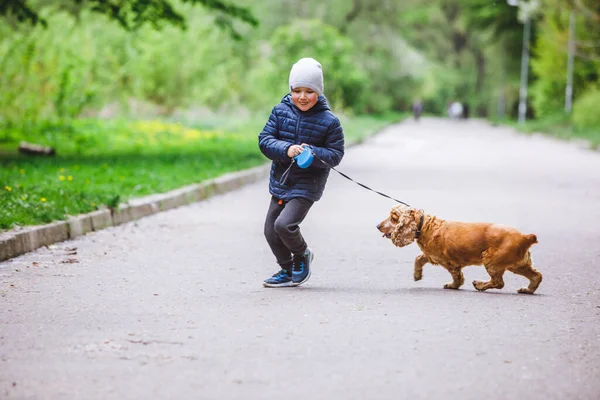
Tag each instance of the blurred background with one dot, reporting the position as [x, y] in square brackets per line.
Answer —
[378, 56]
[105, 83]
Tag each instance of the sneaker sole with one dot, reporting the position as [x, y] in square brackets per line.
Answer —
[303, 281]
[276, 285]
[307, 276]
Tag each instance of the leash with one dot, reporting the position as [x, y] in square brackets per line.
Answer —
[358, 183]
[285, 175]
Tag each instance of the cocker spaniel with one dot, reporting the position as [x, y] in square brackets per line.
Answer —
[455, 245]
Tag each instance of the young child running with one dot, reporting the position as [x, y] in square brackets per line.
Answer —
[303, 118]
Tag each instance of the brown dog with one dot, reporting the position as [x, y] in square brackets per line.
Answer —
[455, 245]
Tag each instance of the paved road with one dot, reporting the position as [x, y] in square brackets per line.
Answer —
[172, 307]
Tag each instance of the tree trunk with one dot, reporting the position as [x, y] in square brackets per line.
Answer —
[351, 16]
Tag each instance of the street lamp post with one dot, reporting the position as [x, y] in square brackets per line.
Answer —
[524, 71]
[569, 89]
[524, 64]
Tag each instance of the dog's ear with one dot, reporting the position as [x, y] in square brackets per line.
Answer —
[412, 214]
[402, 235]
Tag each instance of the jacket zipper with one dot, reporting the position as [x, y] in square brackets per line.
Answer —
[296, 131]
[295, 140]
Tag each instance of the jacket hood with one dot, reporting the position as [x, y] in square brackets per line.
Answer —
[321, 104]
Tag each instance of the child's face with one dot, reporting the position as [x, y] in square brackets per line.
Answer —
[304, 98]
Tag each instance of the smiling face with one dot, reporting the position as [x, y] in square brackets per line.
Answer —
[304, 98]
[400, 226]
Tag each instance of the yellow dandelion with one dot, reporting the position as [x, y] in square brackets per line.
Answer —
[23, 197]
[69, 178]
[8, 188]
[62, 177]
[175, 128]
[191, 134]
[43, 199]
[22, 171]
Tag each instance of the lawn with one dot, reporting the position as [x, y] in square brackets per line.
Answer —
[558, 126]
[103, 163]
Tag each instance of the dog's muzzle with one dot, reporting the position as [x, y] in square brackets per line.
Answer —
[385, 235]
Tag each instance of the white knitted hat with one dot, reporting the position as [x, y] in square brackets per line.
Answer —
[307, 72]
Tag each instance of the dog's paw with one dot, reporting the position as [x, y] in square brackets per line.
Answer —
[450, 286]
[525, 290]
[479, 285]
[418, 277]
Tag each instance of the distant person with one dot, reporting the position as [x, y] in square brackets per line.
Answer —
[455, 110]
[303, 118]
[417, 109]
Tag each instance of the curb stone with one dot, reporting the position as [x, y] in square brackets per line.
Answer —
[121, 215]
[101, 219]
[79, 225]
[20, 241]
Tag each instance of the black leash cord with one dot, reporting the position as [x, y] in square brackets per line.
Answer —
[358, 183]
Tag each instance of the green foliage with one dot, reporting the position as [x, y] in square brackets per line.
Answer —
[72, 66]
[498, 17]
[24, 76]
[585, 110]
[132, 14]
[549, 63]
[377, 56]
[49, 73]
[559, 125]
[203, 66]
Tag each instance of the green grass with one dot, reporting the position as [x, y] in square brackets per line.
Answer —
[104, 163]
[558, 126]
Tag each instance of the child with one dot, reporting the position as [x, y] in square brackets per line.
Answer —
[302, 118]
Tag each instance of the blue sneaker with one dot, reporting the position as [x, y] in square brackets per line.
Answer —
[301, 271]
[281, 279]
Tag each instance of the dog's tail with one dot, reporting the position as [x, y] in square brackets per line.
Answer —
[530, 239]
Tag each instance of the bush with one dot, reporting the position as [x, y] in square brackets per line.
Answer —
[585, 110]
[549, 61]
[82, 64]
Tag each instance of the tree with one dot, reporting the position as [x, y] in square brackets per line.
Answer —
[132, 14]
[550, 60]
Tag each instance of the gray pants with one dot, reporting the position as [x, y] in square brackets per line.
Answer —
[282, 229]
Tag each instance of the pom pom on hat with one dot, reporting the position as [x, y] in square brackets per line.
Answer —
[307, 72]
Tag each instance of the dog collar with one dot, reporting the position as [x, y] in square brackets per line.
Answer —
[420, 226]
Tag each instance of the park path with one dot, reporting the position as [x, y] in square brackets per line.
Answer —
[172, 306]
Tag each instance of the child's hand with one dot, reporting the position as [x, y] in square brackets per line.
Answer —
[294, 150]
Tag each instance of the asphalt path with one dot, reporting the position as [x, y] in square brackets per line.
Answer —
[172, 306]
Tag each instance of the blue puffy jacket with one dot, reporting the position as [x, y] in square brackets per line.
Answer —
[286, 126]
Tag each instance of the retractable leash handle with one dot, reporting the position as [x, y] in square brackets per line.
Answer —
[305, 158]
